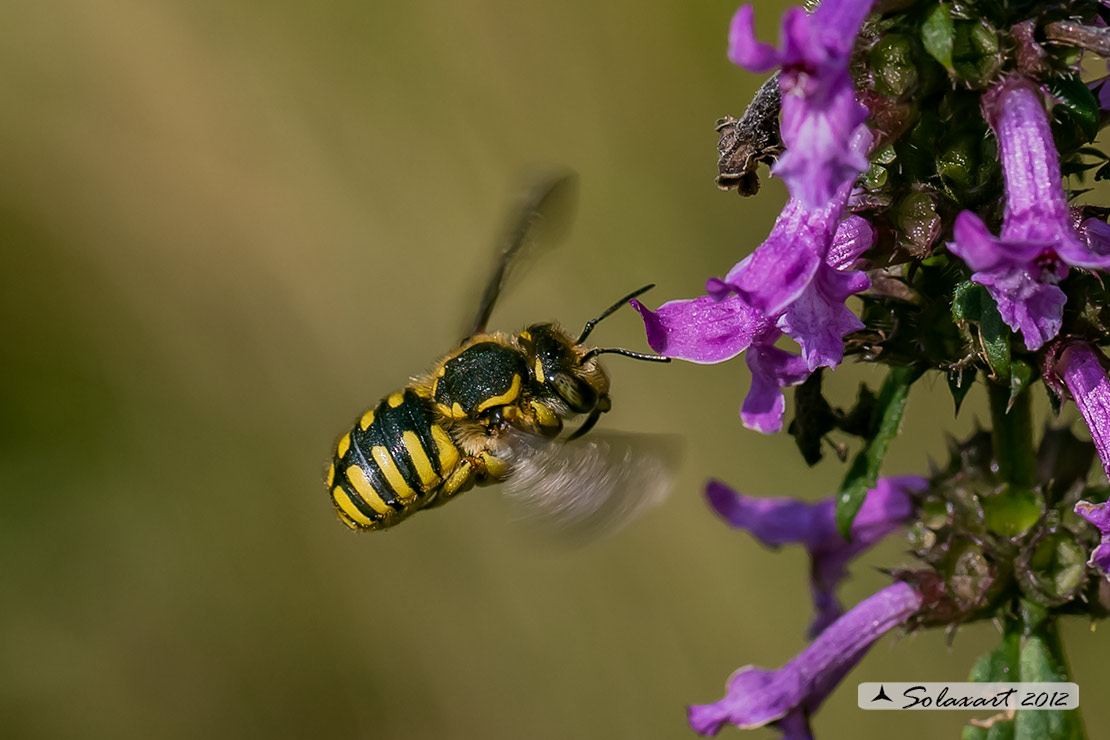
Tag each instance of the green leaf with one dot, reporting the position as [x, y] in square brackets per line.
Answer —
[1021, 375]
[937, 33]
[959, 384]
[1079, 100]
[813, 418]
[1042, 659]
[972, 304]
[999, 665]
[885, 420]
[1090, 151]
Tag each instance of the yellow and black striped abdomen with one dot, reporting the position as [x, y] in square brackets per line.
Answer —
[392, 464]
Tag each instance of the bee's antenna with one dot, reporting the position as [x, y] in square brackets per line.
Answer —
[624, 353]
[589, 327]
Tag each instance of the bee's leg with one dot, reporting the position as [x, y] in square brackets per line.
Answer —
[547, 421]
[481, 469]
[460, 480]
[603, 405]
[533, 418]
[489, 469]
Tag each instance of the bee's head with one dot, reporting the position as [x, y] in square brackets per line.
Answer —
[560, 367]
[569, 376]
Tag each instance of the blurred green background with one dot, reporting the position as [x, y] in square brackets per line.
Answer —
[227, 228]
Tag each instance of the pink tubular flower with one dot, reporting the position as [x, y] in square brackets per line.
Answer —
[772, 370]
[782, 521]
[795, 283]
[1080, 368]
[788, 696]
[1022, 265]
[809, 309]
[819, 108]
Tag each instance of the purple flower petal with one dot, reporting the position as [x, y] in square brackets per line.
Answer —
[1036, 206]
[780, 521]
[757, 697]
[1028, 306]
[772, 370]
[1096, 234]
[785, 281]
[984, 252]
[1038, 242]
[1081, 368]
[788, 276]
[853, 237]
[1099, 516]
[1099, 87]
[841, 21]
[819, 107]
[818, 320]
[1095, 253]
[817, 163]
[702, 329]
[744, 50]
[785, 263]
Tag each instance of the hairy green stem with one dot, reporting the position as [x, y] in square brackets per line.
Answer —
[1012, 435]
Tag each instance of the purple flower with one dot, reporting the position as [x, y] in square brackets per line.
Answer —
[1021, 266]
[1094, 233]
[703, 330]
[772, 370]
[802, 273]
[819, 319]
[786, 697]
[1098, 515]
[781, 521]
[1081, 370]
[795, 283]
[819, 107]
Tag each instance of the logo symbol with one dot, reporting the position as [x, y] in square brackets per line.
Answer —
[882, 695]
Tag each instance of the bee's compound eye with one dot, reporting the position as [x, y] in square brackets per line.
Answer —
[579, 396]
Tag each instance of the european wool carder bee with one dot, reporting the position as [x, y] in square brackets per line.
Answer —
[492, 410]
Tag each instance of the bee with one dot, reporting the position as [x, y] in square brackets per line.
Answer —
[492, 410]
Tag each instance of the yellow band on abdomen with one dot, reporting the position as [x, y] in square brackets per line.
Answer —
[358, 479]
[348, 507]
[391, 472]
[420, 460]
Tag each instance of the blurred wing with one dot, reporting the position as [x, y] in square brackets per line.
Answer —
[542, 217]
[593, 485]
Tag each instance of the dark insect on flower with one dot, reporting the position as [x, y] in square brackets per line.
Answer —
[745, 143]
[492, 409]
